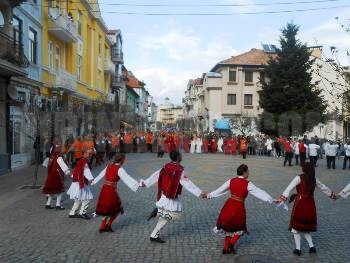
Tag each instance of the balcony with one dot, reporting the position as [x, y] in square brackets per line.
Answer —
[66, 81]
[62, 26]
[109, 66]
[12, 58]
[117, 55]
[117, 81]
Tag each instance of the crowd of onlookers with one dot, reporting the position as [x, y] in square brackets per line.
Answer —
[108, 143]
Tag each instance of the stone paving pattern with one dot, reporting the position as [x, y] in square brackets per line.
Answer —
[29, 233]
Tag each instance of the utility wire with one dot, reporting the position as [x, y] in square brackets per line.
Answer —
[211, 5]
[209, 14]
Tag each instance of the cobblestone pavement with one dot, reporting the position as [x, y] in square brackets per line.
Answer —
[29, 233]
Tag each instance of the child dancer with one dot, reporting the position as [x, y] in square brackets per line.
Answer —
[232, 218]
[304, 217]
[109, 204]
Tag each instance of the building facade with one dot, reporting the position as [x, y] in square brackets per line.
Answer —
[169, 115]
[15, 92]
[77, 66]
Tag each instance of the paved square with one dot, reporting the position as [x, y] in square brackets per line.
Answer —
[29, 233]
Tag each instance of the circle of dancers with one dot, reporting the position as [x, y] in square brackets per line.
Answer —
[171, 180]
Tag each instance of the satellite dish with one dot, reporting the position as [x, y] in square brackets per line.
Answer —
[12, 92]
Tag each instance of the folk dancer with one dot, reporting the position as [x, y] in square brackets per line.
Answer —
[171, 179]
[54, 184]
[79, 190]
[232, 218]
[304, 217]
[109, 204]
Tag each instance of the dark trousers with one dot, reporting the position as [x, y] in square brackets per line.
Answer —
[244, 154]
[288, 158]
[346, 158]
[150, 148]
[331, 162]
[297, 159]
[302, 158]
[313, 160]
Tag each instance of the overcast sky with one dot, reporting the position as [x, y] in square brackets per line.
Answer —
[166, 51]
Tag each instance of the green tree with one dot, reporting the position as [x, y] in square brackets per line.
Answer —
[287, 91]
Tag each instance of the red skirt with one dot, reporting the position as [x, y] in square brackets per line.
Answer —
[54, 184]
[304, 215]
[232, 217]
[109, 203]
[214, 147]
[227, 149]
[205, 148]
[186, 146]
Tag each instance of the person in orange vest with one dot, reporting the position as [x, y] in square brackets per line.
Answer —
[128, 142]
[149, 141]
[114, 145]
[77, 149]
[243, 147]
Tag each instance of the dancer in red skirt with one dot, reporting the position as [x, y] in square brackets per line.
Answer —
[205, 145]
[54, 184]
[227, 145]
[232, 218]
[234, 145]
[214, 145]
[304, 216]
[109, 204]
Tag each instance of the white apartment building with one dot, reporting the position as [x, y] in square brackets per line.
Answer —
[168, 114]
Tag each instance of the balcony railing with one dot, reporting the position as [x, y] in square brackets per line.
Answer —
[12, 51]
[117, 81]
[66, 80]
[109, 66]
[62, 26]
[117, 55]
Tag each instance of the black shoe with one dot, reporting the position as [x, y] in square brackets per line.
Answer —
[232, 249]
[85, 216]
[48, 207]
[157, 240]
[297, 252]
[74, 216]
[226, 251]
[60, 208]
[312, 250]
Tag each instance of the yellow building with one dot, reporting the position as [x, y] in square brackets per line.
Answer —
[77, 66]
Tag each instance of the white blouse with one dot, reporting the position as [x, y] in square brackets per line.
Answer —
[123, 175]
[296, 181]
[252, 189]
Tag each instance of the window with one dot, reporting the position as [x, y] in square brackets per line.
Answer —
[58, 57]
[232, 76]
[2, 20]
[79, 22]
[231, 99]
[50, 54]
[80, 65]
[248, 76]
[33, 44]
[99, 45]
[248, 99]
[17, 29]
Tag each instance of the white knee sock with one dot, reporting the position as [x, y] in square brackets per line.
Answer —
[308, 238]
[75, 207]
[297, 240]
[161, 223]
[49, 199]
[58, 199]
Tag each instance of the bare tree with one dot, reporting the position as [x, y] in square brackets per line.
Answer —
[244, 124]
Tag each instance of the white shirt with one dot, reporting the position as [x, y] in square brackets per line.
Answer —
[332, 150]
[123, 175]
[347, 149]
[63, 165]
[296, 181]
[165, 203]
[296, 148]
[252, 189]
[313, 149]
[345, 192]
